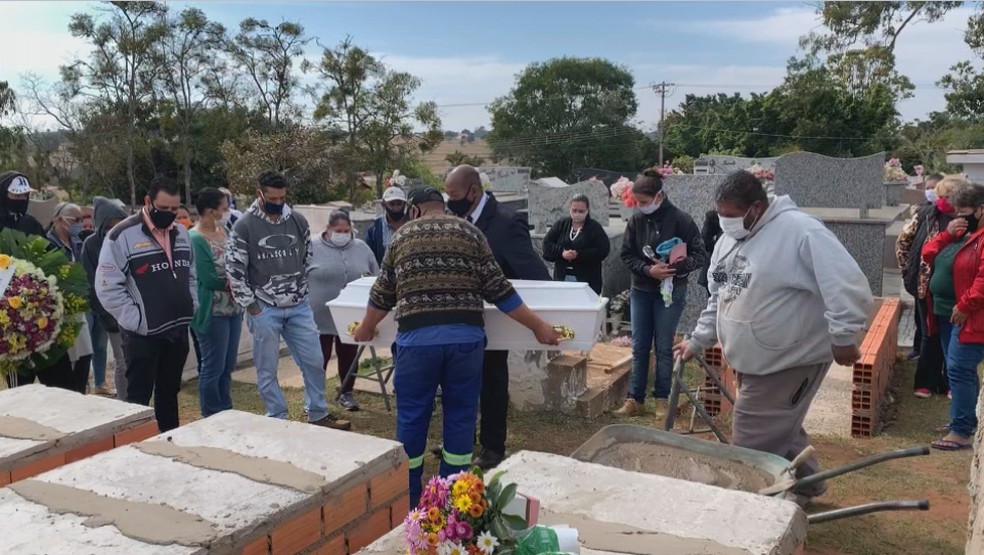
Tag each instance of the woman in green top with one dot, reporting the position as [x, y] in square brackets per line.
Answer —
[218, 322]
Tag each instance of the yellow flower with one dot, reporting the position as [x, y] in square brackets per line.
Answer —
[42, 323]
[15, 302]
[5, 261]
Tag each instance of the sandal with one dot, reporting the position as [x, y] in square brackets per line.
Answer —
[949, 445]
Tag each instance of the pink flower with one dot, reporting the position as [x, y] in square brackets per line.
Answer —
[436, 493]
[463, 531]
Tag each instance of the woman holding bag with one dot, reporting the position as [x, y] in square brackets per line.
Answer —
[219, 320]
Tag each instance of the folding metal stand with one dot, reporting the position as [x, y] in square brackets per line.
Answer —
[679, 384]
[377, 373]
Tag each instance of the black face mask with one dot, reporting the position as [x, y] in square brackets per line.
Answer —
[396, 215]
[971, 223]
[461, 206]
[161, 218]
[16, 208]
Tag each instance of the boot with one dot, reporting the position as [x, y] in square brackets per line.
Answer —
[631, 407]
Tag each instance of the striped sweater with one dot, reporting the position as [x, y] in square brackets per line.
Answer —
[438, 270]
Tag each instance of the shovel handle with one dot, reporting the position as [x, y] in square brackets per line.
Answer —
[859, 510]
[800, 459]
[862, 463]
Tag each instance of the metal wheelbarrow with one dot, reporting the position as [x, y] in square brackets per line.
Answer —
[728, 466]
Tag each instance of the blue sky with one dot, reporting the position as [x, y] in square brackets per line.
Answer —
[469, 52]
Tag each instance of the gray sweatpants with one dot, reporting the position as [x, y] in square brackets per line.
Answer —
[769, 414]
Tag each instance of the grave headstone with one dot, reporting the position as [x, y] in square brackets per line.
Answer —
[550, 200]
[819, 181]
[507, 178]
[719, 164]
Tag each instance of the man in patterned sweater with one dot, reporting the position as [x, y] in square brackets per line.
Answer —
[436, 274]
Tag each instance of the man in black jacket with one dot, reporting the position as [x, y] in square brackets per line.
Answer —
[508, 235]
[653, 321]
[15, 193]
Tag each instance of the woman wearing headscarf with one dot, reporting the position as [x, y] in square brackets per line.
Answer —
[577, 245]
[337, 259]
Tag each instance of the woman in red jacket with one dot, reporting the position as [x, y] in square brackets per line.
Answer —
[956, 301]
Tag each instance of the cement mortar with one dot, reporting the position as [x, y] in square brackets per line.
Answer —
[268, 471]
[21, 428]
[683, 465]
[146, 522]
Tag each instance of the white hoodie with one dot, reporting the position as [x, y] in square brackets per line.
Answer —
[784, 296]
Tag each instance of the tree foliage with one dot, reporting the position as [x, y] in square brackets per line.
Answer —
[567, 113]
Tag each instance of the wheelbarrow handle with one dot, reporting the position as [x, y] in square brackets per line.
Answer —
[817, 518]
[861, 463]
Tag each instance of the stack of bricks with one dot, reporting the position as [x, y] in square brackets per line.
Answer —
[232, 483]
[43, 428]
[714, 402]
[873, 373]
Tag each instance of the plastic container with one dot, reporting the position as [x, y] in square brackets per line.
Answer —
[573, 306]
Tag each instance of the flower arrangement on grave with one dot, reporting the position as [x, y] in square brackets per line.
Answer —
[764, 175]
[460, 515]
[622, 190]
[44, 295]
[396, 179]
[894, 173]
[486, 182]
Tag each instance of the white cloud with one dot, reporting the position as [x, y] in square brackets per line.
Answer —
[783, 27]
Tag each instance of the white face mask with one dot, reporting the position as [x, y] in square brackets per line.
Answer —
[578, 218]
[931, 196]
[735, 227]
[651, 207]
[224, 219]
[339, 239]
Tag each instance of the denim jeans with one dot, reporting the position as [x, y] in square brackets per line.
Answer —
[962, 360]
[100, 339]
[654, 323]
[220, 349]
[458, 370]
[296, 325]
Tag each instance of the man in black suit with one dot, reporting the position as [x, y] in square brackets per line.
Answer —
[508, 235]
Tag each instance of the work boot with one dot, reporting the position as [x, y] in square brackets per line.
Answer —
[332, 421]
[347, 401]
[488, 459]
[104, 391]
[631, 407]
[662, 408]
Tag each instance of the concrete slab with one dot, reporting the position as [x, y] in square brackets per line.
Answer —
[605, 504]
[213, 486]
[830, 413]
[36, 418]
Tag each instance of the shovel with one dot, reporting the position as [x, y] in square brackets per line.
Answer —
[791, 483]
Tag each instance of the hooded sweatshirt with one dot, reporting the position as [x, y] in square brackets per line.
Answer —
[104, 209]
[784, 296]
[269, 260]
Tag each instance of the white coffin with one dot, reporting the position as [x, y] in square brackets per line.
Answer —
[573, 305]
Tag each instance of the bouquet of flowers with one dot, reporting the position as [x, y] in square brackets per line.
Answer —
[622, 189]
[43, 295]
[764, 175]
[894, 172]
[460, 515]
[396, 179]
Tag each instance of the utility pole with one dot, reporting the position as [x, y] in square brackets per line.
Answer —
[663, 89]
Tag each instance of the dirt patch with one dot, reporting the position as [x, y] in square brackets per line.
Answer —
[683, 465]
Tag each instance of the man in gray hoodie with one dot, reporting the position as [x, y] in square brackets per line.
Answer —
[103, 328]
[786, 299]
[269, 257]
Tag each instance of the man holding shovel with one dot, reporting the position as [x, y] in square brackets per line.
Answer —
[786, 299]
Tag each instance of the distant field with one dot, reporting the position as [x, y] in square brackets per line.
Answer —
[435, 159]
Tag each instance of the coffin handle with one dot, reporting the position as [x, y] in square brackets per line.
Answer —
[566, 333]
[350, 330]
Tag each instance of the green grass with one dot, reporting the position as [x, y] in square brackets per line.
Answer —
[941, 477]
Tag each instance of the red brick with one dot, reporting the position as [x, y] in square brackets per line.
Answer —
[4, 478]
[332, 546]
[37, 467]
[259, 546]
[389, 485]
[368, 529]
[138, 433]
[89, 449]
[399, 511]
[346, 508]
[297, 534]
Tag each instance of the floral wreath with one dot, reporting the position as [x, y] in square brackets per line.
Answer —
[43, 296]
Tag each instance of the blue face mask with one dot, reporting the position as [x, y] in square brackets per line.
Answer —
[74, 230]
[271, 207]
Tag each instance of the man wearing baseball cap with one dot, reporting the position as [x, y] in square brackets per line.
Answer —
[446, 270]
[15, 195]
[381, 231]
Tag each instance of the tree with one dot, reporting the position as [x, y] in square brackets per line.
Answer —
[371, 109]
[11, 136]
[120, 70]
[965, 84]
[266, 53]
[188, 58]
[458, 158]
[567, 113]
